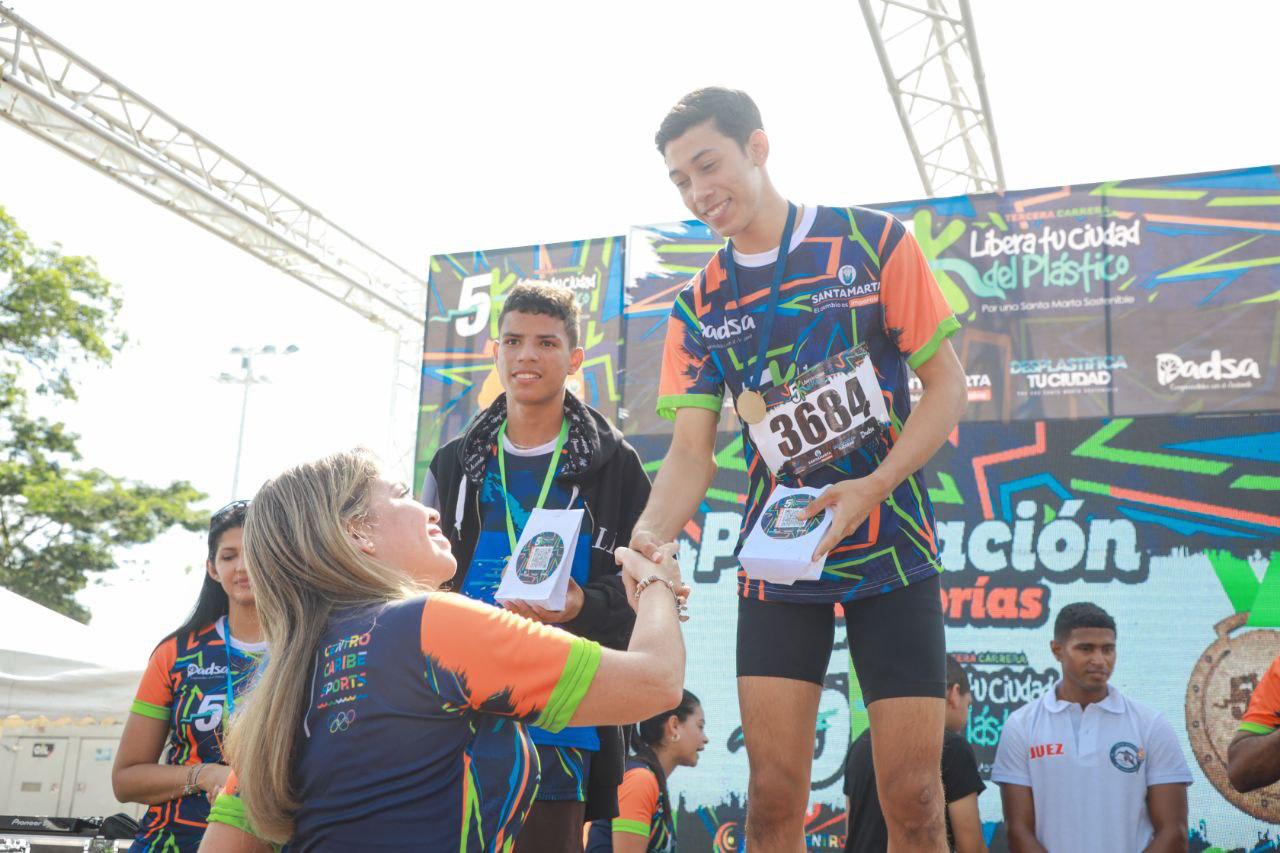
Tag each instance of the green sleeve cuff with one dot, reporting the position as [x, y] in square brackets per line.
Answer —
[946, 329]
[146, 709]
[668, 405]
[579, 672]
[635, 827]
[229, 809]
[1256, 728]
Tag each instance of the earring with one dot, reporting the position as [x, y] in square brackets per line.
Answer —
[675, 736]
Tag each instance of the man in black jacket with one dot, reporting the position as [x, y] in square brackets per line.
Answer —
[537, 445]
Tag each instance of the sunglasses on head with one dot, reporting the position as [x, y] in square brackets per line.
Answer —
[227, 510]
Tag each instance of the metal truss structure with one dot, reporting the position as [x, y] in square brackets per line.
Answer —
[49, 91]
[929, 54]
[52, 93]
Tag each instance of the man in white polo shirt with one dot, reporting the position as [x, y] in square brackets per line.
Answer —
[1084, 768]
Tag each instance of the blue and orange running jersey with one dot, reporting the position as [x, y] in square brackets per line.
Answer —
[415, 733]
[185, 684]
[853, 277]
[643, 810]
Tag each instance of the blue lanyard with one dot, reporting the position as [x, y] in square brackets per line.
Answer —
[775, 290]
[226, 647]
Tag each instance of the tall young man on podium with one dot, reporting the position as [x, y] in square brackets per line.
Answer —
[845, 297]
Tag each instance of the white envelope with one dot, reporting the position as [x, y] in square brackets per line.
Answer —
[538, 572]
[779, 547]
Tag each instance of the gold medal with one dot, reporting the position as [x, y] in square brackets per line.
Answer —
[750, 406]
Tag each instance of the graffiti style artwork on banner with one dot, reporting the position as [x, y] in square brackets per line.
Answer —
[1151, 296]
[660, 261]
[466, 295]
[1122, 343]
[1171, 524]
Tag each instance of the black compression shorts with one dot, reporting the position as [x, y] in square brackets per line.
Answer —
[895, 639]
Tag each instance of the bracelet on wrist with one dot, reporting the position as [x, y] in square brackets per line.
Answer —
[682, 609]
[190, 788]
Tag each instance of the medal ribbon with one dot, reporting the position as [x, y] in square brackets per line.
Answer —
[1260, 599]
[230, 704]
[546, 481]
[775, 290]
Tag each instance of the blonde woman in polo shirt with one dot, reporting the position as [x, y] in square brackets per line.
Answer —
[1085, 768]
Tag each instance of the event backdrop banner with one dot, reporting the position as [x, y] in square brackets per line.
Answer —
[466, 293]
[1122, 342]
[1150, 296]
[1169, 523]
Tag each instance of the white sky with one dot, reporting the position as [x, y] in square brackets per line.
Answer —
[435, 127]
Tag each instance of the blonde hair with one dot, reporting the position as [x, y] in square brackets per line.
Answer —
[303, 564]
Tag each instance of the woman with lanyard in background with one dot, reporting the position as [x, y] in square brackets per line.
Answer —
[645, 821]
[185, 697]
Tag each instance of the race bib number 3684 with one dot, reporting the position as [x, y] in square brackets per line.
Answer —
[825, 413]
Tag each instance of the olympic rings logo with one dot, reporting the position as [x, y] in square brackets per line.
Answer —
[341, 721]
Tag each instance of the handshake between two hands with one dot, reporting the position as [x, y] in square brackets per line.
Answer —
[645, 558]
[648, 558]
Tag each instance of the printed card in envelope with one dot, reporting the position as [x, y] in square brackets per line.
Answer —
[538, 571]
[779, 547]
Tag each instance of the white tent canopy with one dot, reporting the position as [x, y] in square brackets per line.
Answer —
[52, 666]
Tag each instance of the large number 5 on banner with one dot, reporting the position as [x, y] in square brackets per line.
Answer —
[474, 302]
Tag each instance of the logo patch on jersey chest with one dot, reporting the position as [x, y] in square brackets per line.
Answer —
[846, 296]
[732, 330]
[1127, 757]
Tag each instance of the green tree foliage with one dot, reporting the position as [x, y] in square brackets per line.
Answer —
[59, 523]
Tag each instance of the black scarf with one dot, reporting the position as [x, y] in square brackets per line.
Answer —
[482, 439]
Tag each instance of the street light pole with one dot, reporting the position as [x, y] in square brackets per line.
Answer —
[248, 379]
[244, 410]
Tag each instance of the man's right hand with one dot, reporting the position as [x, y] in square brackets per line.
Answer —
[646, 544]
[636, 567]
